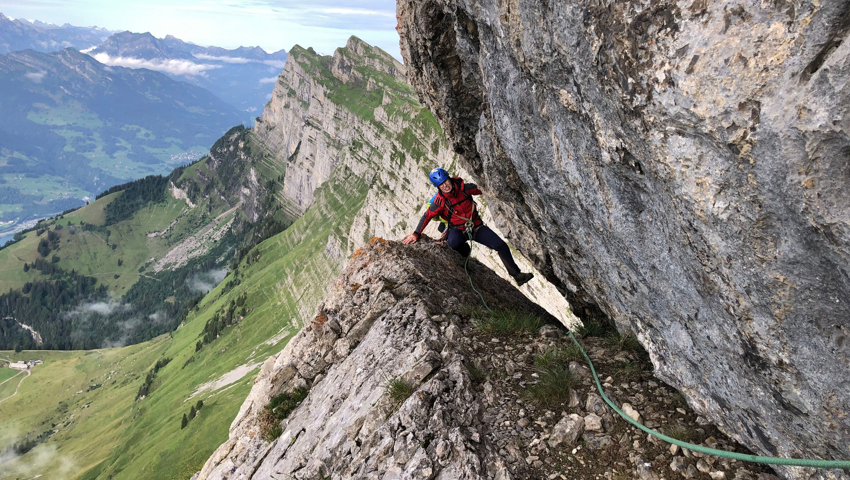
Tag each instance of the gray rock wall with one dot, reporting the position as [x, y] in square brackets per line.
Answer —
[381, 321]
[683, 166]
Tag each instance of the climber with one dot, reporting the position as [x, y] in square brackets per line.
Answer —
[454, 203]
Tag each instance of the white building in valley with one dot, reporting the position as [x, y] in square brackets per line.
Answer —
[19, 366]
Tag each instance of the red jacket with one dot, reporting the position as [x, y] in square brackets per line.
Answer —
[452, 206]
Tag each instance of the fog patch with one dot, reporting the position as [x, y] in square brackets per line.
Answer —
[279, 64]
[158, 317]
[87, 314]
[204, 56]
[39, 461]
[206, 281]
[126, 329]
[35, 77]
[100, 308]
[172, 66]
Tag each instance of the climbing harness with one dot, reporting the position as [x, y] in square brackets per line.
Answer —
[451, 208]
[797, 462]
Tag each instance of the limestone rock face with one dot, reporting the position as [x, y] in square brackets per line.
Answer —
[682, 166]
[383, 319]
[355, 110]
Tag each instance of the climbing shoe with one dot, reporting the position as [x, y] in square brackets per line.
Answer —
[522, 278]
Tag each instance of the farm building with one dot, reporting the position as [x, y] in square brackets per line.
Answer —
[19, 366]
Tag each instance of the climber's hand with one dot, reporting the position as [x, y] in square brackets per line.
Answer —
[440, 243]
[410, 239]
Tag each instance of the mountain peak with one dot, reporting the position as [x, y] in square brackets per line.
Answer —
[359, 47]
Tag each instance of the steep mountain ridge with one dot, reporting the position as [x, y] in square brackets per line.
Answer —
[680, 166]
[355, 110]
[273, 286]
[384, 319]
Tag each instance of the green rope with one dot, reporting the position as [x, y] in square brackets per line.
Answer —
[798, 462]
[469, 232]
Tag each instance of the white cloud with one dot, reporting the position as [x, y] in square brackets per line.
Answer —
[174, 67]
[275, 63]
[36, 77]
[37, 462]
[101, 308]
[87, 50]
[357, 11]
[204, 282]
[203, 56]
[279, 64]
[268, 80]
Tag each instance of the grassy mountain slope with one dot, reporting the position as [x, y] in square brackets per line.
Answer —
[364, 179]
[286, 277]
[81, 396]
[150, 255]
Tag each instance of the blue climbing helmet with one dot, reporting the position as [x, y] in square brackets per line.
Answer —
[438, 176]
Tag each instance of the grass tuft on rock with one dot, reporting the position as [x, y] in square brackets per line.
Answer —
[594, 328]
[680, 432]
[478, 375]
[398, 390]
[505, 322]
[554, 385]
[277, 410]
[553, 356]
[627, 343]
[555, 379]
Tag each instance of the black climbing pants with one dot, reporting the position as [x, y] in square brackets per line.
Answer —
[483, 235]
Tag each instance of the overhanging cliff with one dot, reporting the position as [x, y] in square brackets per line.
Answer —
[683, 166]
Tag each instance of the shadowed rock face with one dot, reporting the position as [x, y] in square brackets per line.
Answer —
[683, 166]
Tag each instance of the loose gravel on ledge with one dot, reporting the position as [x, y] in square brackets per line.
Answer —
[537, 440]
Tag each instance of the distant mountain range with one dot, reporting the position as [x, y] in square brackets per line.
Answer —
[243, 77]
[20, 34]
[71, 127]
[74, 124]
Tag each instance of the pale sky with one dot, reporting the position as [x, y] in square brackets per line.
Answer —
[271, 24]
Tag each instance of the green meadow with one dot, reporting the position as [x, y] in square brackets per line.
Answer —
[83, 396]
[7, 373]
